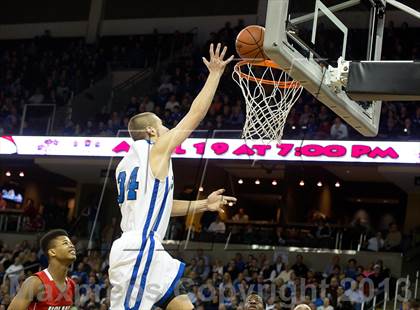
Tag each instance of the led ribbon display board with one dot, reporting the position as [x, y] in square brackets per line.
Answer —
[287, 150]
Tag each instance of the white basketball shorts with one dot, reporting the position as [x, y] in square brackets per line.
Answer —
[141, 272]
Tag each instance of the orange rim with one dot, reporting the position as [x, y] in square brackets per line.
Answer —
[264, 63]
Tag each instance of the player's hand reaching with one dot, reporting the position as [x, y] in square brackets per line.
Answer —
[216, 64]
[216, 201]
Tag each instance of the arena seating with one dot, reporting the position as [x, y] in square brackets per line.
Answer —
[211, 282]
[46, 70]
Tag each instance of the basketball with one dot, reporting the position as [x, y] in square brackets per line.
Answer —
[249, 43]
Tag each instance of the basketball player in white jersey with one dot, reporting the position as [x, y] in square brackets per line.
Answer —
[141, 272]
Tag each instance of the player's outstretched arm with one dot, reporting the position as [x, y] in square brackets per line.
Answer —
[30, 289]
[201, 104]
[214, 202]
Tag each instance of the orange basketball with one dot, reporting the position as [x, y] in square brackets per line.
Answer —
[249, 43]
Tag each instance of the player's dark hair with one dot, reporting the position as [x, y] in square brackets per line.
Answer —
[46, 239]
[254, 293]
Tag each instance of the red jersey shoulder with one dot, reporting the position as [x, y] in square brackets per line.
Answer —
[71, 285]
[52, 298]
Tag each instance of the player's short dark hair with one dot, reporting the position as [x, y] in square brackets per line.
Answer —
[254, 293]
[46, 239]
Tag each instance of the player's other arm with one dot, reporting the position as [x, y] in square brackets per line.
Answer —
[26, 294]
[214, 202]
[201, 104]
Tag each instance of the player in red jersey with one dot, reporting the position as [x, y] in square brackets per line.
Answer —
[50, 289]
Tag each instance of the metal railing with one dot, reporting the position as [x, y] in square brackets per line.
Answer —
[130, 81]
[49, 117]
[407, 292]
[397, 298]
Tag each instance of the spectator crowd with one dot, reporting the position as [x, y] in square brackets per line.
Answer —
[317, 232]
[216, 284]
[47, 70]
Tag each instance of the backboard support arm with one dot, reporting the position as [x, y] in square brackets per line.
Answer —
[309, 73]
[404, 8]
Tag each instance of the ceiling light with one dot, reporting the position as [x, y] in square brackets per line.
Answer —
[319, 184]
[201, 189]
[337, 184]
[302, 183]
[274, 182]
[8, 173]
[240, 181]
[257, 182]
[21, 174]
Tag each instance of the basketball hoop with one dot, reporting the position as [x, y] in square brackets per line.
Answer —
[269, 94]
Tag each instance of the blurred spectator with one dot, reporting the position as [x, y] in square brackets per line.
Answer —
[326, 305]
[343, 302]
[299, 267]
[240, 216]
[171, 104]
[218, 267]
[377, 277]
[286, 275]
[351, 270]
[149, 104]
[239, 262]
[408, 129]
[323, 230]
[200, 255]
[277, 268]
[217, 226]
[202, 270]
[166, 87]
[80, 273]
[190, 268]
[305, 116]
[355, 295]
[132, 106]
[376, 243]
[393, 238]
[13, 272]
[279, 237]
[231, 268]
[339, 130]
[31, 265]
[335, 261]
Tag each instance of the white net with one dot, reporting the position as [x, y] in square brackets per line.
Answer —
[269, 95]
